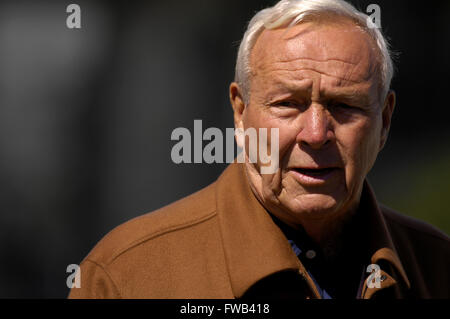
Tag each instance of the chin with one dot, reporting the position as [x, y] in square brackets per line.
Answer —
[312, 206]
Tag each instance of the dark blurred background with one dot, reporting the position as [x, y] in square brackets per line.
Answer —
[86, 117]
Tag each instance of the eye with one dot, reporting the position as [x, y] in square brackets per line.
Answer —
[287, 104]
[284, 103]
[343, 106]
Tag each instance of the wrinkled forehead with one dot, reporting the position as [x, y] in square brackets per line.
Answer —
[340, 47]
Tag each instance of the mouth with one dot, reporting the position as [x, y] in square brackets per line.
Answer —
[314, 171]
[314, 176]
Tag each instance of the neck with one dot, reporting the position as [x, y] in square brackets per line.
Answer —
[327, 233]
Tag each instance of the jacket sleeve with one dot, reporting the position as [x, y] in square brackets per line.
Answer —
[95, 283]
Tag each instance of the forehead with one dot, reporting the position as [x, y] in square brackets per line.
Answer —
[340, 50]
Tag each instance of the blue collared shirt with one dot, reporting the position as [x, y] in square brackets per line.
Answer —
[323, 293]
[326, 274]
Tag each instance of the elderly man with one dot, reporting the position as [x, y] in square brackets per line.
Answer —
[317, 72]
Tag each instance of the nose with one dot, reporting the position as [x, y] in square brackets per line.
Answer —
[315, 127]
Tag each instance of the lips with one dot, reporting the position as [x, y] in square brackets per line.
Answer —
[314, 176]
[315, 171]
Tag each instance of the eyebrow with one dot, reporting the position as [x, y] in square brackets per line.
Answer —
[298, 86]
[349, 94]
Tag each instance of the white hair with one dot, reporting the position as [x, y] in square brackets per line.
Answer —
[287, 13]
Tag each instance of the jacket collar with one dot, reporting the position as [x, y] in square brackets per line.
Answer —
[380, 243]
[255, 247]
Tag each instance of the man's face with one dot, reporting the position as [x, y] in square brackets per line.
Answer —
[319, 85]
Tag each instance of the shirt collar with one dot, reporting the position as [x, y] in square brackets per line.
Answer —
[255, 247]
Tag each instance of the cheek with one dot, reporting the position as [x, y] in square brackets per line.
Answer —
[359, 148]
[287, 140]
[260, 118]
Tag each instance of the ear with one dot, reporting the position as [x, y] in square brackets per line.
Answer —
[388, 109]
[238, 105]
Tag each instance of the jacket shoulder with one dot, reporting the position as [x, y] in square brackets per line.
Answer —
[413, 226]
[425, 253]
[182, 214]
